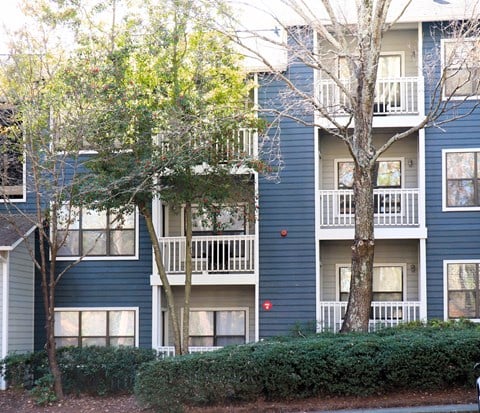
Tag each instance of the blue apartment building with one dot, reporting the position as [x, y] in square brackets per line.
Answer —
[290, 266]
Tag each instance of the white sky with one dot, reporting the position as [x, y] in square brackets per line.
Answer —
[11, 18]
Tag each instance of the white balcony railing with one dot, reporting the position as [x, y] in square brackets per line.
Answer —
[210, 254]
[397, 96]
[242, 143]
[169, 351]
[383, 314]
[393, 207]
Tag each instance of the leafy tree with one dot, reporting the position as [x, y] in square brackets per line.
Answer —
[171, 99]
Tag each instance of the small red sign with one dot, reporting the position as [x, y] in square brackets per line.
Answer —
[267, 305]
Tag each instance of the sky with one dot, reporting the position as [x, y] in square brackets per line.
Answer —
[10, 18]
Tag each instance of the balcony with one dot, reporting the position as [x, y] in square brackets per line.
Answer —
[213, 254]
[383, 314]
[393, 208]
[394, 96]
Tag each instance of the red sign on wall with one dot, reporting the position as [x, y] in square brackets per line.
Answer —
[267, 305]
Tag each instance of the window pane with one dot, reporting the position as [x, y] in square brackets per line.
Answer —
[201, 323]
[460, 193]
[94, 242]
[387, 297]
[345, 174]
[94, 341]
[460, 165]
[66, 323]
[122, 323]
[345, 276]
[461, 304]
[387, 279]
[122, 341]
[389, 174]
[94, 323]
[231, 219]
[126, 221]
[462, 276]
[459, 82]
[71, 246]
[94, 219]
[389, 66]
[201, 341]
[122, 242]
[65, 342]
[68, 219]
[231, 323]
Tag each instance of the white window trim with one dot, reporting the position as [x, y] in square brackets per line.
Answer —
[110, 257]
[445, 285]
[442, 60]
[380, 264]
[247, 315]
[446, 208]
[135, 309]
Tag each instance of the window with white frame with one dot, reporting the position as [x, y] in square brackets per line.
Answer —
[95, 327]
[91, 233]
[463, 289]
[217, 328]
[387, 282]
[461, 63]
[462, 179]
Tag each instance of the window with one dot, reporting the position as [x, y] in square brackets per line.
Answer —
[387, 283]
[461, 66]
[229, 220]
[96, 233]
[217, 328]
[11, 160]
[463, 290]
[95, 327]
[388, 175]
[462, 171]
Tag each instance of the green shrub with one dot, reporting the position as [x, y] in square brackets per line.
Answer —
[436, 356]
[94, 370]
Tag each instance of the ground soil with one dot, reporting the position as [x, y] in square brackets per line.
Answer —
[19, 402]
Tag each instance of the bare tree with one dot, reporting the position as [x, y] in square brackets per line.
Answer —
[342, 42]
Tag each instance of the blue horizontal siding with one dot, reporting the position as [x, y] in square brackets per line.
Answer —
[452, 235]
[287, 264]
[112, 283]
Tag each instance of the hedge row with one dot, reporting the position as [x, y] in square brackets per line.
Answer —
[94, 370]
[354, 364]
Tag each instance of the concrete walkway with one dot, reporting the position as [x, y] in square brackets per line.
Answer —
[451, 408]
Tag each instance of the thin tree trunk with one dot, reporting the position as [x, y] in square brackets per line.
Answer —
[188, 277]
[163, 277]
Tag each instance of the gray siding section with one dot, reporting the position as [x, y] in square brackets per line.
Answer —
[21, 301]
[287, 264]
[218, 298]
[332, 149]
[451, 235]
[333, 253]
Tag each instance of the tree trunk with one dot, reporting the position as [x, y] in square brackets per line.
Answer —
[357, 315]
[188, 277]
[163, 277]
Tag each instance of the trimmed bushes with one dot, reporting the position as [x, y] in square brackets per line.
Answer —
[94, 370]
[353, 364]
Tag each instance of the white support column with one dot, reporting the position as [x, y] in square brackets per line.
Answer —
[157, 219]
[422, 274]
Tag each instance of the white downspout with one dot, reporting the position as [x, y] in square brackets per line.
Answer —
[5, 313]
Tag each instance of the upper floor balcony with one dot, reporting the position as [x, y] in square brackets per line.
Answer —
[394, 96]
